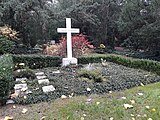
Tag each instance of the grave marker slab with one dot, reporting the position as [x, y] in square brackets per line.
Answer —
[39, 74]
[43, 81]
[20, 86]
[47, 89]
[41, 77]
[21, 79]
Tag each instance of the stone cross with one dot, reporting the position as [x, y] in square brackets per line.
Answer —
[69, 31]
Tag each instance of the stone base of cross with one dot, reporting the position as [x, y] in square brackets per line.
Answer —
[69, 60]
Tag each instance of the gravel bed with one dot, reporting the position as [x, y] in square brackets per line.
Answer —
[66, 82]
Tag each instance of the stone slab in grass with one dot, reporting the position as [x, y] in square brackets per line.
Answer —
[21, 79]
[56, 72]
[20, 86]
[41, 77]
[43, 81]
[47, 89]
[39, 74]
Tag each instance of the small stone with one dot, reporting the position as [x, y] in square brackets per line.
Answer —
[25, 97]
[41, 77]
[43, 81]
[47, 89]
[39, 74]
[56, 72]
[10, 102]
[88, 89]
[21, 79]
[14, 106]
[110, 92]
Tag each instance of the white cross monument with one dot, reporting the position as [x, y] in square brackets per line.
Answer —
[69, 31]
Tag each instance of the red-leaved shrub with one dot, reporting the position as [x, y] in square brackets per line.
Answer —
[80, 46]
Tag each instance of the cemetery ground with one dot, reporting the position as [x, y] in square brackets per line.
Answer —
[139, 103]
[103, 94]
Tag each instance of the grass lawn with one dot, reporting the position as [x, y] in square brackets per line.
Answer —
[145, 101]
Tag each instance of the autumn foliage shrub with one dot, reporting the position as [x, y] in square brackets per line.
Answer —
[80, 46]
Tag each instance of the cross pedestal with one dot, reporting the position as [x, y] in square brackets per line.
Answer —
[69, 60]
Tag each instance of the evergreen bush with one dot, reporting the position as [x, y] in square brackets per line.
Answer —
[6, 46]
[6, 77]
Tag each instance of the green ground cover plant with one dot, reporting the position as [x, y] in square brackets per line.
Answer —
[144, 99]
[6, 77]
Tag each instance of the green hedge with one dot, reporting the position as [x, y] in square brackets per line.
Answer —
[148, 65]
[6, 77]
[37, 61]
[40, 61]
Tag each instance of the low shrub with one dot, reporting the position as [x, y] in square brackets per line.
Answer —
[6, 77]
[94, 75]
[37, 61]
[80, 46]
[28, 73]
[6, 46]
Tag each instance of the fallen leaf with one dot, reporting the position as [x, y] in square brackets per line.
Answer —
[138, 115]
[97, 103]
[82, 118]
[63, 97]
[142, 84]
[84, 115]
[153, 110]
[133, 118]
[24, 110]
[43, 118]
[132, 101]
[111, 118]
[123, 98]
[140, 94]
[8, 118]
[127, 106]
[132, 115]
[147, 107]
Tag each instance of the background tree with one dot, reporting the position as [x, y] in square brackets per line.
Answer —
[139, 25]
